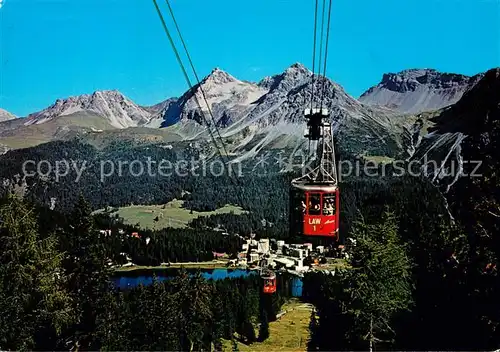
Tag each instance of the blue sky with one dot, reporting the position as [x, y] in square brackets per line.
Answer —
[52, 49]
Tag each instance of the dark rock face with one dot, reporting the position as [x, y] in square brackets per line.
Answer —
[465, 134]
[478, 109]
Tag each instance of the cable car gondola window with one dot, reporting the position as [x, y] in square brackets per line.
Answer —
[299, 202]
[302, 203]
[314, 204]
[329, 204]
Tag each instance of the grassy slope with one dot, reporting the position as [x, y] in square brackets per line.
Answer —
[171, 214]
[290, 333]
[136, 134]
[89, 126]
[379, 159]
[58, 128]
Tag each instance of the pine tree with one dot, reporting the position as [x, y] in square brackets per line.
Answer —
[195, 314]
[86, 267]
[218, 320]
[113, 324]
[378, 286]
[33, 303]
[264, 326]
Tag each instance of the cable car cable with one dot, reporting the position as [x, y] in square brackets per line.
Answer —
[323, 178]
[195, 74]
[314, 52]
[326, 53]
[186, 76]
[321, 38]
[181, 37]
[181, 64]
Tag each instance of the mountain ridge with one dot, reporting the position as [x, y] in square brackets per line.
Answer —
[257, 115]
[403, 80]
[419, 90]
[120, 111]
[279, 114]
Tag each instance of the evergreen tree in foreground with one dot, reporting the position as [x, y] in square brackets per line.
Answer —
[379, 284]
[264, 326]
[88, 274]
[34, 307]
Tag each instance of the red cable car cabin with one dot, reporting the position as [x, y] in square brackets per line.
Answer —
[269, 283]
[315, 210]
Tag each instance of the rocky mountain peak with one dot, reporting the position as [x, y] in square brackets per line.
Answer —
[120, 111]
[417, 90]
[218, 77]
[224, 95]
[100, 95]
[413, 73]
[5, 115]
[109, 94]
[294, 75]
[298, 67]
[410, 80]
[297, 72]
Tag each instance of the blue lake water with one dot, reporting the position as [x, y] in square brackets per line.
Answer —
[129, 280]
[297, 287]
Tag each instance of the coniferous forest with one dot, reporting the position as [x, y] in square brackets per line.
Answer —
[422, 275]
[57, 294]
